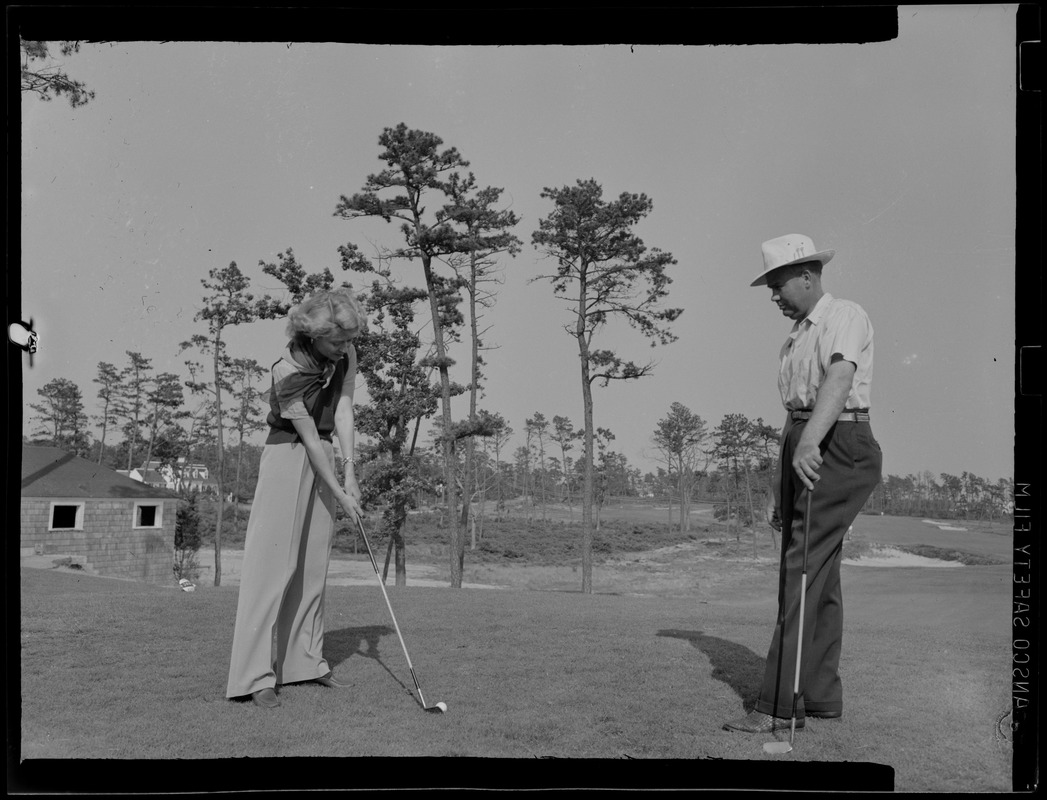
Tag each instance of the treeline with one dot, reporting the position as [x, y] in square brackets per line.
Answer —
[963, 496]
[730, 466]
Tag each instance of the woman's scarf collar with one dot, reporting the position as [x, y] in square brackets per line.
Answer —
[309, 362]
[312, 372]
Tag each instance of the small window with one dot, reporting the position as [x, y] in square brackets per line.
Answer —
[67, 516]
[147, 515]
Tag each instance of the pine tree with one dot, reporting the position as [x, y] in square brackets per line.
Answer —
[605, 272]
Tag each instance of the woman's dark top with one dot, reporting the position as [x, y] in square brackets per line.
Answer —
[304, 385]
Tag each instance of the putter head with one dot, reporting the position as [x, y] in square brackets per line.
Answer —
[439, 708]
[777, 747]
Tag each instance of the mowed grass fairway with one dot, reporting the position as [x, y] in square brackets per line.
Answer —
[113, 669]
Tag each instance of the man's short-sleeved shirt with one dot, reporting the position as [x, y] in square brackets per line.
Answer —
[833, 326]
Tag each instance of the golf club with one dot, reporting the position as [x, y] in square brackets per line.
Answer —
[786, 747]
[439, 708]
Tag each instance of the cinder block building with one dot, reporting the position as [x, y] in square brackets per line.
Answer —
[114, 525]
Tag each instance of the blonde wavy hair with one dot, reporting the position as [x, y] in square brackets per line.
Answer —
[327, 313]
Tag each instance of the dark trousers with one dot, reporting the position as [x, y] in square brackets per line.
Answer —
[849, 472]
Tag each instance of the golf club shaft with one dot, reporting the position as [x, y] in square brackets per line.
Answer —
[389, 605]
[803, 598]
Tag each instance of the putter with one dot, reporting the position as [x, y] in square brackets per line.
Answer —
[786, 747]
[439, 708]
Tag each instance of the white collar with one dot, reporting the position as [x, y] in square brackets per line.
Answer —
[817, 312]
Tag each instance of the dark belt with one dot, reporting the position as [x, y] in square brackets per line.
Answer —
[850, 415]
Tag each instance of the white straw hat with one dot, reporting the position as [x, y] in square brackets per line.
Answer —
[793, 248]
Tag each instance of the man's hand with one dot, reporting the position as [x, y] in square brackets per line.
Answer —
[806, 461]
[832, 395]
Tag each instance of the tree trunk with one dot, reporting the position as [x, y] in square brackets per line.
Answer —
[683, 500]
[467, 491]
[396, 538]
[567, 497]
[499, 499]
[669, 494]
[105, 423]
[727, 492]
[469, 479]
[685, 510]
[688, 496]
[474, 379]
[221, 467]
[401, 559]
[388, 557]
[587, 473]
[457, 538]
[397, 546]
[130, 448]
[752, 511]
[541, 487]
[134, 432]
[236, 485]
[152, 438]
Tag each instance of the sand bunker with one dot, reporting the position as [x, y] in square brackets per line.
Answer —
[943, 526]
[890, 557]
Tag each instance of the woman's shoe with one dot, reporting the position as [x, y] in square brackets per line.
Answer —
[266, 698]
[329, 681]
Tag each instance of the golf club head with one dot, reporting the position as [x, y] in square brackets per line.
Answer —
[777, 747]
[439, 708]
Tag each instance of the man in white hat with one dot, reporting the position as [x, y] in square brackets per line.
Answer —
[824, 378]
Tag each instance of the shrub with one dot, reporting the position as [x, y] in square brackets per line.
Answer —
[739, 513]
[187, 539]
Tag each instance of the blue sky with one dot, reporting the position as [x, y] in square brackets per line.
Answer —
[899, 155]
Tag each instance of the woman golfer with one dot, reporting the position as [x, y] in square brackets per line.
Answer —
[279, 634]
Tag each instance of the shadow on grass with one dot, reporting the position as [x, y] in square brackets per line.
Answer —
[737, 666]
[341, 645]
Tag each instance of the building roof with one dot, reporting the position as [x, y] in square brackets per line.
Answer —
[152, 476]
[52, 472]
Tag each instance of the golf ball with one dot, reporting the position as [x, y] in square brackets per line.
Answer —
[442, 706]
